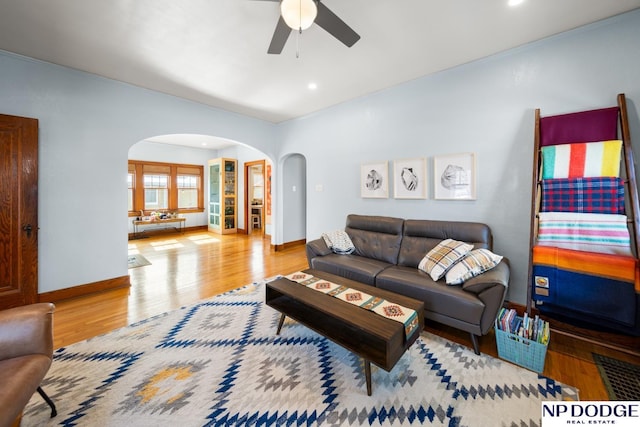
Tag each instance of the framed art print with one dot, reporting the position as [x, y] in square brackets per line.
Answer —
[374, 180]
[410, 179]
[454, 177]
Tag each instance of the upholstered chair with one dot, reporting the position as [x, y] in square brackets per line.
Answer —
[26, 351]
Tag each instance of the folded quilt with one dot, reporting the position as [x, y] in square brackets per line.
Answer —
[339, 242]
[596, 285]
[584, 195]
[585, 159]
[588, 232]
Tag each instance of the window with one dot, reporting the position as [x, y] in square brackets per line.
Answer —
[187, 191]
[168, 187]
[156, 192]
[189, 184]
[130, 178]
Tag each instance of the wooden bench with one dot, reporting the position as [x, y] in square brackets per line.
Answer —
[137, 224]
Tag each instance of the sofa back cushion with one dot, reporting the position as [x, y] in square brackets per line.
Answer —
[420, 236]
[376, 237]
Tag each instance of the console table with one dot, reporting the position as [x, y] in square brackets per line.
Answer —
[137, 224]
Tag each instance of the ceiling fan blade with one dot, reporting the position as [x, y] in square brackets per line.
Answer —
[335, 26]
[280, 36]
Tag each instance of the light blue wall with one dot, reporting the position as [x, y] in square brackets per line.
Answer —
[486, 107]
[87, 125]
[292, 191]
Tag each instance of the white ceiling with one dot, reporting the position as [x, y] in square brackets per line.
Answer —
[214, 51]
[203, 142]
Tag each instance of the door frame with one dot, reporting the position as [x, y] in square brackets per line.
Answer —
[247, 202]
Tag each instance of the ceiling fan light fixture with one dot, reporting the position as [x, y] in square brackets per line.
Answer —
[298, 14]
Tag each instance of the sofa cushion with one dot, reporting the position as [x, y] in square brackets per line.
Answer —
[441, 258]
[352, 267]
[472, 264]
[421, 235]
[376, 237]
[449, 301]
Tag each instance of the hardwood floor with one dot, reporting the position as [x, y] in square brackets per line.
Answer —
[189, 267]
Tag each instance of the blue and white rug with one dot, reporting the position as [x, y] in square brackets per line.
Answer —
[220, 363]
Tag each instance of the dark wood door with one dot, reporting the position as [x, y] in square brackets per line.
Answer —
[18, 211]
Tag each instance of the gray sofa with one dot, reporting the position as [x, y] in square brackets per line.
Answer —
[388, 251]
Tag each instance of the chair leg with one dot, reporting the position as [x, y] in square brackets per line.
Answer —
[474, 341]
[46, 398]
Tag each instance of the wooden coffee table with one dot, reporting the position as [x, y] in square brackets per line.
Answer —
[376, 339]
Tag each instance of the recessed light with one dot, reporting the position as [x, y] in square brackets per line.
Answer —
[312, 86]
[514, 3]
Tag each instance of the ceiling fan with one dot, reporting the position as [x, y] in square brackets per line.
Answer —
[301, 14]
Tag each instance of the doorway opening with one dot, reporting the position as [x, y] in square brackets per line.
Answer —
[255, 197]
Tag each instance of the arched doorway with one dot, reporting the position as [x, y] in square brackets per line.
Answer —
[190, 149]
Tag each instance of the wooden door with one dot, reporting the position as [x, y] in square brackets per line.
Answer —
[18, 211]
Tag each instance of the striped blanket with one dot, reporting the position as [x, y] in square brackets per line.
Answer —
[581, 160]
[602, 233]
[586, 195]
[603, 286]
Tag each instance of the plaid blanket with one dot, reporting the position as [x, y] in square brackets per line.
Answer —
[587, 195]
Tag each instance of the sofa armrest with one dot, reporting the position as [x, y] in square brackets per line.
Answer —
[317, 248]
[26, 330]
[497, 276]
[491, 288]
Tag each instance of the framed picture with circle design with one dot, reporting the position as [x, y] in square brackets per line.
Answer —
[454, 177]
[410, 179]
[374, 180]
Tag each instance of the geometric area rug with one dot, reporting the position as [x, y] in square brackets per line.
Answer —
[219, 362]
[137, 260]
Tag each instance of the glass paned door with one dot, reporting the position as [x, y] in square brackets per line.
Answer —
[214, 195]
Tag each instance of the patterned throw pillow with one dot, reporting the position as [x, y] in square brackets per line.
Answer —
[339, 242]
[441, 258]
[473, 264]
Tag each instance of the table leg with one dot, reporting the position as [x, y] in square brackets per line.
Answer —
[282, 316]
[367, 374]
